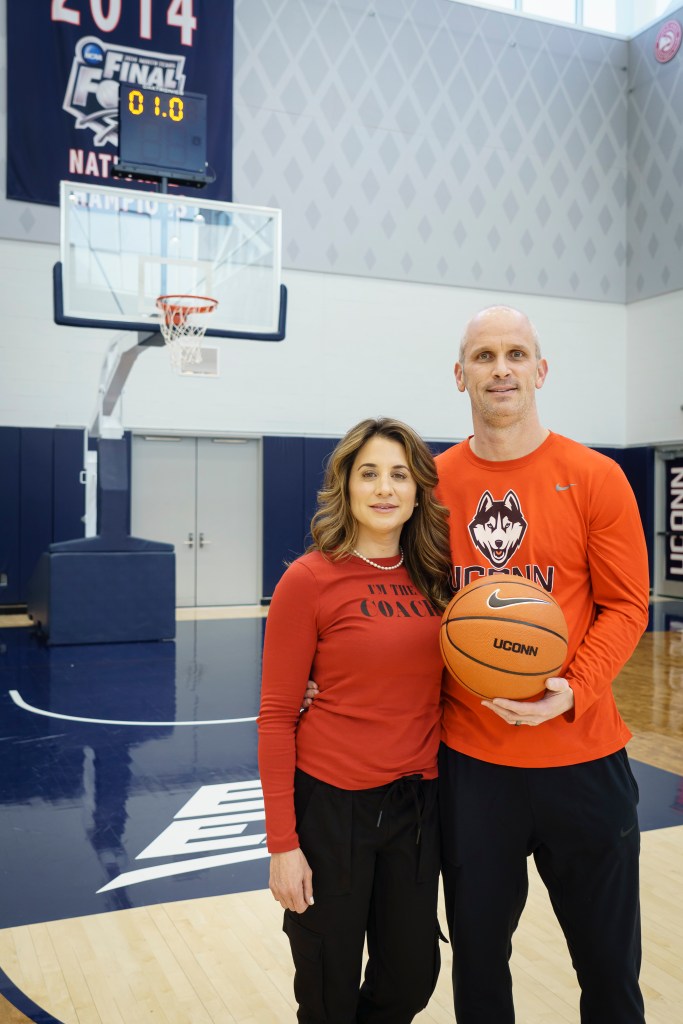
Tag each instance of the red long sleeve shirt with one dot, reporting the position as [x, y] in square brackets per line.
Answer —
[370, 641]
[566, 517]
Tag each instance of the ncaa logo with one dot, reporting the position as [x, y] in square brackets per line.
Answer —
[92, 54]
[92, 92]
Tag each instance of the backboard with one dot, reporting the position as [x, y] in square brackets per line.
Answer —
[121, 249]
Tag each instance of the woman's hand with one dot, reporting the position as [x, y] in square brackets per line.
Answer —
[310, 694]
[291, 880]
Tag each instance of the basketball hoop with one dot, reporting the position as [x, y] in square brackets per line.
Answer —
[182, 332]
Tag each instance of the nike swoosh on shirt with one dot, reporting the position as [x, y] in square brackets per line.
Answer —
[559, 487]
[494, 601]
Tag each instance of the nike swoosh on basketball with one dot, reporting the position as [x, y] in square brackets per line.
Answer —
[494, 601]
[559, 487]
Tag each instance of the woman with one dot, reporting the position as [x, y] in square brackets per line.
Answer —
[350, 786]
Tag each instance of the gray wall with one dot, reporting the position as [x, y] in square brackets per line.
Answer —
[655, 166]
[422, 140]
[426, 141]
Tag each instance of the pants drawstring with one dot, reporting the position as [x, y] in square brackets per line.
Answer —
[400, 787]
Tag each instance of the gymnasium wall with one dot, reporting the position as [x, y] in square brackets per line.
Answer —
[421, 140]
[654, 381]
[655, 169]
[42, 500]
[430, 158]
[354, 347]
[43, 497]
[444, 106]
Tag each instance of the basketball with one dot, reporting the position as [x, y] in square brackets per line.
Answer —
[503, 636]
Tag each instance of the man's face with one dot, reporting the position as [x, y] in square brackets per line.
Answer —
[500, 369]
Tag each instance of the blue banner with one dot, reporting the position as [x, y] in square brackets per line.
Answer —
[67, 61]
[673, 562]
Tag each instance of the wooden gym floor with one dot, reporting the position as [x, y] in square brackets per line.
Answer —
[133, 880]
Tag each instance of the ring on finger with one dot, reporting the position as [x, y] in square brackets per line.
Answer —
[518, 722]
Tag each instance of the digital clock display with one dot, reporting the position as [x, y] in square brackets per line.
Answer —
[162, 133]
[172, 106]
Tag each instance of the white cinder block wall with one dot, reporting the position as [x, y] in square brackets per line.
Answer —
[355, 347]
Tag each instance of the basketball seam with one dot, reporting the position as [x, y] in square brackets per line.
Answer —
[503, 579]
[480, 693]
[542, 673]
[514, 622]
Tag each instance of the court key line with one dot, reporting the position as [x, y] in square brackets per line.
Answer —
[20, 1001]
[21, 703]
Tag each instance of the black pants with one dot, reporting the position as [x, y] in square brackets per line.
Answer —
[580, 824]
[371, 877]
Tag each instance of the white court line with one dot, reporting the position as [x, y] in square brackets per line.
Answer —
[233, 611]
[21, 703]
[179, 867]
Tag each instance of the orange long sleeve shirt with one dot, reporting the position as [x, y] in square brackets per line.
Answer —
[565, 517]
[370, 641]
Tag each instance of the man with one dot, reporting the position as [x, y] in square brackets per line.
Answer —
[547, 777]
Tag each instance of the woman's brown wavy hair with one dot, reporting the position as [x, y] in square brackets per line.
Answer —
[424, 537]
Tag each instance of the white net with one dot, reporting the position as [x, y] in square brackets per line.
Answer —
[183, 324]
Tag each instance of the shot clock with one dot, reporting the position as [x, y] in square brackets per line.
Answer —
[161, 135]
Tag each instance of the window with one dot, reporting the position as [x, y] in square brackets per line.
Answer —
[619, 17]
[600, 14]
[554, 10]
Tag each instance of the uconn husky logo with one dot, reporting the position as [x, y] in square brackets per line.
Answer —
[498, 527]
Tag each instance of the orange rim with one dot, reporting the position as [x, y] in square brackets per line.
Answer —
[177, 308]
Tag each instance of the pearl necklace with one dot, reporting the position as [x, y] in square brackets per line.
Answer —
[376, 565]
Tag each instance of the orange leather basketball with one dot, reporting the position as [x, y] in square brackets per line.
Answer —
[503, 636]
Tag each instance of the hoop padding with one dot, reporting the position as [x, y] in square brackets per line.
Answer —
[181, 330]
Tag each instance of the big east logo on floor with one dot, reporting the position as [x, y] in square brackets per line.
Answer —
[215, 818]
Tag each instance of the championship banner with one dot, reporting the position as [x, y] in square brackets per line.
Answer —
[67, 61]
[674, 520]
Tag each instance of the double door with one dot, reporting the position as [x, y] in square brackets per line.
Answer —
[203, 495]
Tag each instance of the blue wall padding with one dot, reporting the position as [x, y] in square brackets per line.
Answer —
[283, 505]
[43, 499]
[113, 488]
[88, 597]
[10, 515]
[639, 466]
[35, 496]
[68, 491]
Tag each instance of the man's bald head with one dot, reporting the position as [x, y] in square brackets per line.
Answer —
[503, 314]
